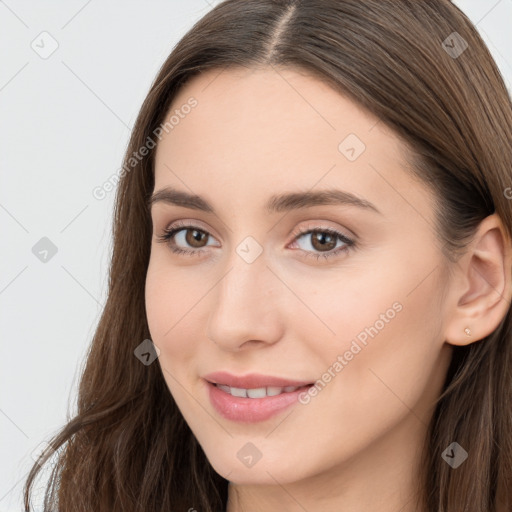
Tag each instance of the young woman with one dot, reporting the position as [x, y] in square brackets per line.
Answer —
[310, 286]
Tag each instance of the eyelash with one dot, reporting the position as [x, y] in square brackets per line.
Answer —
[168, 234]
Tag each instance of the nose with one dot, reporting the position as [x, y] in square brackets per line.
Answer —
[247, 304]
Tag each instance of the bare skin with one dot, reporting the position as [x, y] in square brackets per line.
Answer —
[355, 445]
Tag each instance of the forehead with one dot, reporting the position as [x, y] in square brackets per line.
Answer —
[252, 132]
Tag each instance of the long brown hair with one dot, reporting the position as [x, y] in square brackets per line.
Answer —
[128, 447]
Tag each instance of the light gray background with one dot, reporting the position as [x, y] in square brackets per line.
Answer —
[65, 123]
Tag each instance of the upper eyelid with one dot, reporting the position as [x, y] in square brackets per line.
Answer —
[186, 224]
[350, 234]
[296, 233]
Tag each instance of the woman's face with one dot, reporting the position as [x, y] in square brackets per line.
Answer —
[286, 279]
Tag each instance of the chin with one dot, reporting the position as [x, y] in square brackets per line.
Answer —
[263, 472]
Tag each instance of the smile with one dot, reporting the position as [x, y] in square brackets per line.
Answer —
[257, 392]
[251, 405]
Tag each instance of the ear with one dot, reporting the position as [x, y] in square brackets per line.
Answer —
[481, 289]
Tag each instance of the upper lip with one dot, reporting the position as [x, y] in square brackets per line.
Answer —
[252, 380]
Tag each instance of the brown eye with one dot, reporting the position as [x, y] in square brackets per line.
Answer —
[194, 237]
[323, 240]
[190, 240]
[185, 239]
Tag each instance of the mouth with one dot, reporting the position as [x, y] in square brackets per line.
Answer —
[254, 382]
[253, 404]
[261, 392]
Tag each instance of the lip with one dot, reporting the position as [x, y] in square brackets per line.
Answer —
[252, 380]
[250, 410]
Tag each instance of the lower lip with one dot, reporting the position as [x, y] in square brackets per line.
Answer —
[251, 410]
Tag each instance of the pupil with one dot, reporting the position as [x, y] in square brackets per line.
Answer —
[194, 237]
[324, 239]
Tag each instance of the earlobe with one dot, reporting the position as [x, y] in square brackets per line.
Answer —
[483, 289]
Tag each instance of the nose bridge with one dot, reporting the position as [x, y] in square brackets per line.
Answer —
[244, 300]
[245, 286]
[247, 276]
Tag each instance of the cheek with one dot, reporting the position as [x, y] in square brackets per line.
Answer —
[170, 297]
[343, 304]
[170, 303]
[156, 296]
[166, 307]
[387, 350]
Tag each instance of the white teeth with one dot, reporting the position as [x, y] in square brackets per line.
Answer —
[239, 392]
[256, 392]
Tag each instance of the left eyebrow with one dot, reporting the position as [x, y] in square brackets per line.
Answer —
[298, 200]
[277, 203]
